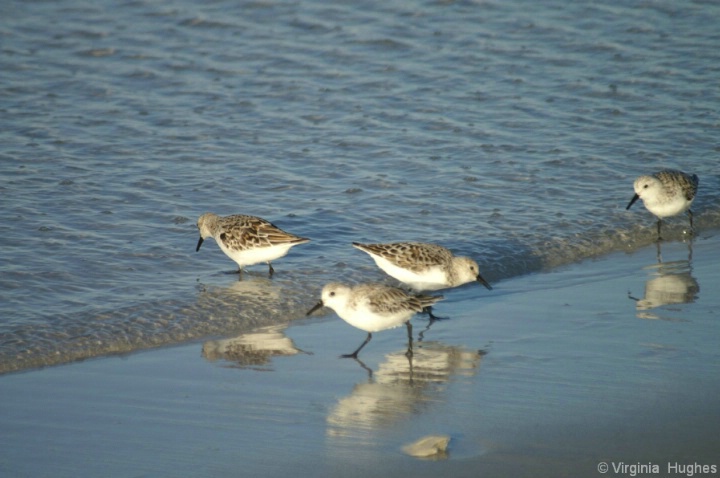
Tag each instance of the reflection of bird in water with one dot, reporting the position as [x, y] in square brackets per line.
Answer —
[670, 283]
[253, 349]
[401, 387]
[255, 290]
[669, 289]
[373, 405]
[252, 286]
[434, 363]
[267, 301]
[431, 447]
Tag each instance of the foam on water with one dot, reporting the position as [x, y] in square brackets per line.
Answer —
[510, 132]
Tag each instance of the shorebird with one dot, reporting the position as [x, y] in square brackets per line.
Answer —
[247, 240]
[373, 307]
[666, 193]
[424, 267]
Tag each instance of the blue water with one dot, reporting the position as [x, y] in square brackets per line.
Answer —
[509, 131]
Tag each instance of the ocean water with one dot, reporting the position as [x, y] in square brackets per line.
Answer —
[509, 131]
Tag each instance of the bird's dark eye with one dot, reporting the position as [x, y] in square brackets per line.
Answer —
[646, 186]
[332, 294]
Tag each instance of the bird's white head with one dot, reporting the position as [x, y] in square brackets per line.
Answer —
[468, 270]
[646, 186]
[206, 224]
[335, 295]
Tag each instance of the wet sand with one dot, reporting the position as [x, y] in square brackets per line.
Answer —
[612, 360]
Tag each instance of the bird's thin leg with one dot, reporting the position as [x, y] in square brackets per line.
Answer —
[432, 316]
[409, 352]
[271, 271]
[428, 309]
[658, 228]
[690, 214]
[355, 354]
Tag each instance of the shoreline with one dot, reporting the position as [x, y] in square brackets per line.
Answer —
[555, 371]
[277, 302]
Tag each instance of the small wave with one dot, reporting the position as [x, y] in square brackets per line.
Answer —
[216, 311]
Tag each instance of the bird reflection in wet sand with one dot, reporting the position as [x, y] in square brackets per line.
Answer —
[243, 307]
[252, 349]
[401, 387]
[669, 283]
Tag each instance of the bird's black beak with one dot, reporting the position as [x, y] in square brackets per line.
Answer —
[480, 279]
[316, 307]
[632, 201]
[199, 244]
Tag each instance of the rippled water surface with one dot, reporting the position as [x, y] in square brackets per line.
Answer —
[509, 131]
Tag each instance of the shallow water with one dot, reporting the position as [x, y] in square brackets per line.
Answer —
[509, 131]
[552, 374]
